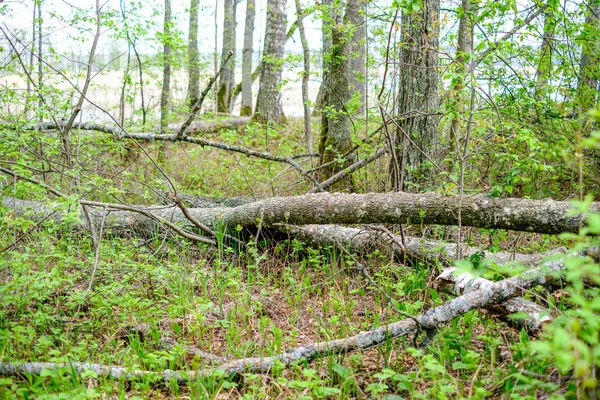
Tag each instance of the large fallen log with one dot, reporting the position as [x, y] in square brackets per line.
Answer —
[541, 216]
[430, 321]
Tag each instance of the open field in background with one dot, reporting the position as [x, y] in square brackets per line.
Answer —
[106, 87]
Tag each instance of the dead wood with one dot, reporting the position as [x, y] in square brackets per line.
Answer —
[431, 320]
[368, 239]
[542, 216]
[199, 127]
[452, 281]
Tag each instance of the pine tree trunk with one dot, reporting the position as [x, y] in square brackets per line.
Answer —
[418, 99]
[268, 102]
[247, 60]
[193, 91]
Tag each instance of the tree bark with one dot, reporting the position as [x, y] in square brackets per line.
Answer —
[357, 62]
[197, 127]
[193, 90]
[246, 109]
[268, 102]
[166, 85]
[410, 249]
[544, 67]
[541, 216]
[453, 282]
[418, 99]
[335, 138]
[589, 66]
[308, 139]
[463, 50]
[226, 82]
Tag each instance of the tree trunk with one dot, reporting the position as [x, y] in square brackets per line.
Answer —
[541, 216]
[328, 14]
[31, 64]
[227, 76]
[193, 91]
[166, 85]
[544, 68]
[589, 66]
[418, 98]
[305, 77]
[268, 102]
[357, 62]
[335, 138]
[246, 109]
[40, 60]
[463, 50]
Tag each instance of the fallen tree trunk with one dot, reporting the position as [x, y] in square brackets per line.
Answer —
[430, 321]
[541, 216]
[412, 248]
[452, 282]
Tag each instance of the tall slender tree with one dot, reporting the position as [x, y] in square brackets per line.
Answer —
[357, 62]
[589, 65]
[193, 91]
[165, 95]
[226, 80]
[247, 80]
[335, 137]
[305, 77]
[463, 50]
[544, 67]
[268, 102]
[418, 99]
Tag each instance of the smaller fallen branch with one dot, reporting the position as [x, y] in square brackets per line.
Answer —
[431, 320]
[145, 211]
[452, 282]
[197, 127]
[347, 171]
[198, 105]
[122, 134]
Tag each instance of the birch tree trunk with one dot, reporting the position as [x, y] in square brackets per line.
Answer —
[418, 99]
[193, 91]
[268, 102]
[246, 109]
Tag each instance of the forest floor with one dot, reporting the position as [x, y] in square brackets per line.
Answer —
[164, 303]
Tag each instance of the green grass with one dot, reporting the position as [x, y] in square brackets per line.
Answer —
[273, 296]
